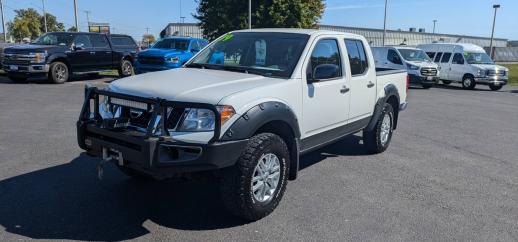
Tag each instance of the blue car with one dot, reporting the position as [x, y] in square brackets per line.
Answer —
[168, 53]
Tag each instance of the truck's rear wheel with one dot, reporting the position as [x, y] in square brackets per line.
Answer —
[58, 72]
[125, 69]
[495, 88]
[446, 82]
[378, 139]
[468, 82]
[254, 186]
[134, 174]
[18, 79]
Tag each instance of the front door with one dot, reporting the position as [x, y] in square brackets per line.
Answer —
[457, 67]
[325, 101]
[82, 59]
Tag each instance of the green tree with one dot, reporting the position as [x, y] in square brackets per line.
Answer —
[26, 24]
[148, 38]
[72, 29]
[52, 24]
[220, 16]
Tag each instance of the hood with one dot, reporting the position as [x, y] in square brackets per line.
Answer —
[190, 84]
[422, 64]
[160, 52]
[22, 48]
[489, 67]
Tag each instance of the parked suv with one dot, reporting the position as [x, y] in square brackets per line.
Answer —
[280, 93]
[56, 55]
[168, 53]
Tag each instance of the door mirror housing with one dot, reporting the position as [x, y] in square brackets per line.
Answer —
[324, 71]
[79, 46]
[196, 49]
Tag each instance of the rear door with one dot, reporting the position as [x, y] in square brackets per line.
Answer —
[82, 60]
[444, 61]
[103, 52]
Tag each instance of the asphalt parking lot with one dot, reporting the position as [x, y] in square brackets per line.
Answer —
[449, 174]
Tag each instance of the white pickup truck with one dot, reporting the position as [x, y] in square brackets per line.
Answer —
[280, 93]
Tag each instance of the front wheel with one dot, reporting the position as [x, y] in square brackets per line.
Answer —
[495, 88]
[468, 83]
[125, 69]
[378, 139]
[427, 86]
[58, 73]
[254, 186]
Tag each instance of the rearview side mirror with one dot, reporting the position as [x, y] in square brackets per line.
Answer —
[325, 71]
[79, 46]
[196, 49]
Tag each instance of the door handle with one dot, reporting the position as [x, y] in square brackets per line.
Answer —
[344, 90]
[370, 85]
[108, 52]
[92, 53]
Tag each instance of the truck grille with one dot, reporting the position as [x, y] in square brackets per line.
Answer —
[496, 72]
[141, 119]
[159, 61]
[428, 72]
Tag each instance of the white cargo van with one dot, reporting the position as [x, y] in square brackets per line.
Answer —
[421, 70]
[466, 63]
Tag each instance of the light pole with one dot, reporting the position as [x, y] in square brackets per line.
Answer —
[3, 23]
[249, 14]
[44, 15]
[492, 32]
[434, 26]
[77, 21]
[385, 23]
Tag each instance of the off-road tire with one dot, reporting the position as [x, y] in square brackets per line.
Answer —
[137, 175]
[53, 76]
[18, 79]
[372, 140]
[236, 181]
[446, 82]
[123, 69]
[427, 86]
[495, 88]
[469, 86]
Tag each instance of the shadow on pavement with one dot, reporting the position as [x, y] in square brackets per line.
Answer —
[43, 81]
[350, 146]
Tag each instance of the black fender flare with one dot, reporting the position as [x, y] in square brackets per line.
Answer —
[253, 119]
[390, 91]
[127, 54]
[53, 57]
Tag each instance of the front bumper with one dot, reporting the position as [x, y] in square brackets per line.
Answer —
[415, 79]
[33, 70]
[142, 68]
[495, 80]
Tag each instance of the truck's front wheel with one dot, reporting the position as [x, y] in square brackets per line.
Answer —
[254, 186]
[58, 72]
[378, 139]
[125, 69]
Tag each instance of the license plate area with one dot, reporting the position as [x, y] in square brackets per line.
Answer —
[429, 78]
[14, 68]
[113, 154]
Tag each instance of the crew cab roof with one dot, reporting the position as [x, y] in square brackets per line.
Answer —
[298, 31]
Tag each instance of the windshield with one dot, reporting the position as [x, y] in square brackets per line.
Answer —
[414, 55]
[478, 58]
[54, 39]
[177, 44]
[268, 54]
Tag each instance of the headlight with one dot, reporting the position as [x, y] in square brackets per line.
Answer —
[173, 59]
[204, 119]
[481, 73]
[37, 57]
[412, 67]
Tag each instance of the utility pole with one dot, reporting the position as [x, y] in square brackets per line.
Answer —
[385, 24]
[113, 30]
[44, 15]
[434, 26]
[249, 14]
[3, 23]
[492, 32]
[77, 21]
[147, 36]
[88, 17]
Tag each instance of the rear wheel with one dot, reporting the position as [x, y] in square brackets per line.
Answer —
[495, 88]
[378, 139]
[18, 79]
[427, 86]
[446, 82]
[468, 82]
[125, 69]
[254, 186]
[58, 73]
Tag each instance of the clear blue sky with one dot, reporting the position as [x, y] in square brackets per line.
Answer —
[464, 17]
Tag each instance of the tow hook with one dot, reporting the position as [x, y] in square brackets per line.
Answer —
[107, 158]
[100, 167]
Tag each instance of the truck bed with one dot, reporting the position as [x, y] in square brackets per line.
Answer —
[396, 76]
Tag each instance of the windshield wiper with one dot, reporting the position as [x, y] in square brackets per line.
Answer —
[246, 70]
[204, 66]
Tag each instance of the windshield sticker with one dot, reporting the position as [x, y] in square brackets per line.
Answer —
[465, 53]
[227, 37]
[260, 52]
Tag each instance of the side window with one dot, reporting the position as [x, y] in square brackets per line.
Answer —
[128, 41]
[445, 57]
[83, 39]
[438, 57]
[393, 57]
[325, 52]
[430, 54]
[458, 59]
[116, 41]
[202, 44]
[357, 57]
[98, 41]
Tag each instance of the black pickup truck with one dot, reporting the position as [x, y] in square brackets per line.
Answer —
[56, 55]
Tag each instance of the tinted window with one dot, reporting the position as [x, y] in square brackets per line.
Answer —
[128, 41]
[446, 58]
[177, 44]
[394, 57]
[357, 57]
[438, 57]
[82, 39]
[99, 41]
[456, 58]
[117, 41]
[202, 44]
[325, 52]
[430, 54]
